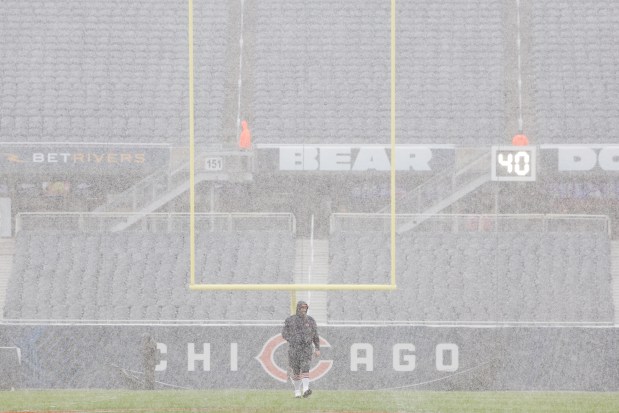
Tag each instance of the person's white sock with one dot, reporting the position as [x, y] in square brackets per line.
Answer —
[297, 387]
[305, 384]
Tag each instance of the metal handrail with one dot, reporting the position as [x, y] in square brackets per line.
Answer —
[100, 222]
[163, 178]
[458, 222]
[446, 174]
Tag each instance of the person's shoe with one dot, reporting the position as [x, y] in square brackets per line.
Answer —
[297, 394]
[307, 393]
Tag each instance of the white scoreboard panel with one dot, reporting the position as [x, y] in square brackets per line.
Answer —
[514, 163]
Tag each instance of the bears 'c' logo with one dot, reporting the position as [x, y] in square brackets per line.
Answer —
[267, 360]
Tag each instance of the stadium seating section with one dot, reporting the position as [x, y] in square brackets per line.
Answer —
[145, 276]
[322, 71]
[575, 59]
[93, 71]
[316, 72]
[469, 277]
[461, 277]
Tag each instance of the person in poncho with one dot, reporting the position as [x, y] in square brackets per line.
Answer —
[301, 333]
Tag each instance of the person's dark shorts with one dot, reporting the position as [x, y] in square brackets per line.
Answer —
[299, 359]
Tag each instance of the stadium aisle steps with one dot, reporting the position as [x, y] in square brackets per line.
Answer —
[319, 274]
[614, 270]
[7, 251]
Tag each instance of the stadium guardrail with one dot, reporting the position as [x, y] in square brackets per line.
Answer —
[154, 222]
[473, 222]
[448, 183]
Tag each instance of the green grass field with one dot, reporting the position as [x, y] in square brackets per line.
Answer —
[101, 401]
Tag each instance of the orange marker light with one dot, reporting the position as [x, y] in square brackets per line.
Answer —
[520, 140]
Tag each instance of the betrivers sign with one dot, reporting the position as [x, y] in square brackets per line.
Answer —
[95, 158]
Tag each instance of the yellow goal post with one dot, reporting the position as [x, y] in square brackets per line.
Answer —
[287, 287]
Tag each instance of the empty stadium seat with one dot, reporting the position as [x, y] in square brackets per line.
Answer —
[124, 82]
[574, 61]
[519, 277]
[321, 72]
[144, 276]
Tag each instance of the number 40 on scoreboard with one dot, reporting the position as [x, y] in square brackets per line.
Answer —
[513, 163]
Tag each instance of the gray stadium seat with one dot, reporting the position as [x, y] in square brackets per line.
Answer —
[321, 72]
[139, 276]
[572, 70]
[116, 85]
[560, 277]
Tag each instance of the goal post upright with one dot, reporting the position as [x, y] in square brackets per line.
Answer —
[392, 142]
[293, 288]
[192, 182]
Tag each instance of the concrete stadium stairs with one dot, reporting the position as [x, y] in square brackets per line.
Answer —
[7, 251]
[313, 269]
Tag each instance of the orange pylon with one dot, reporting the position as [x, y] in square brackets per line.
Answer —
[245, 138]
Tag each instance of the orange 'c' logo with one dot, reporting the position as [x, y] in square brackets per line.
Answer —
[267, 360]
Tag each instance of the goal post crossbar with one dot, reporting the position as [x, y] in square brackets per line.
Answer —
[292, 287]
